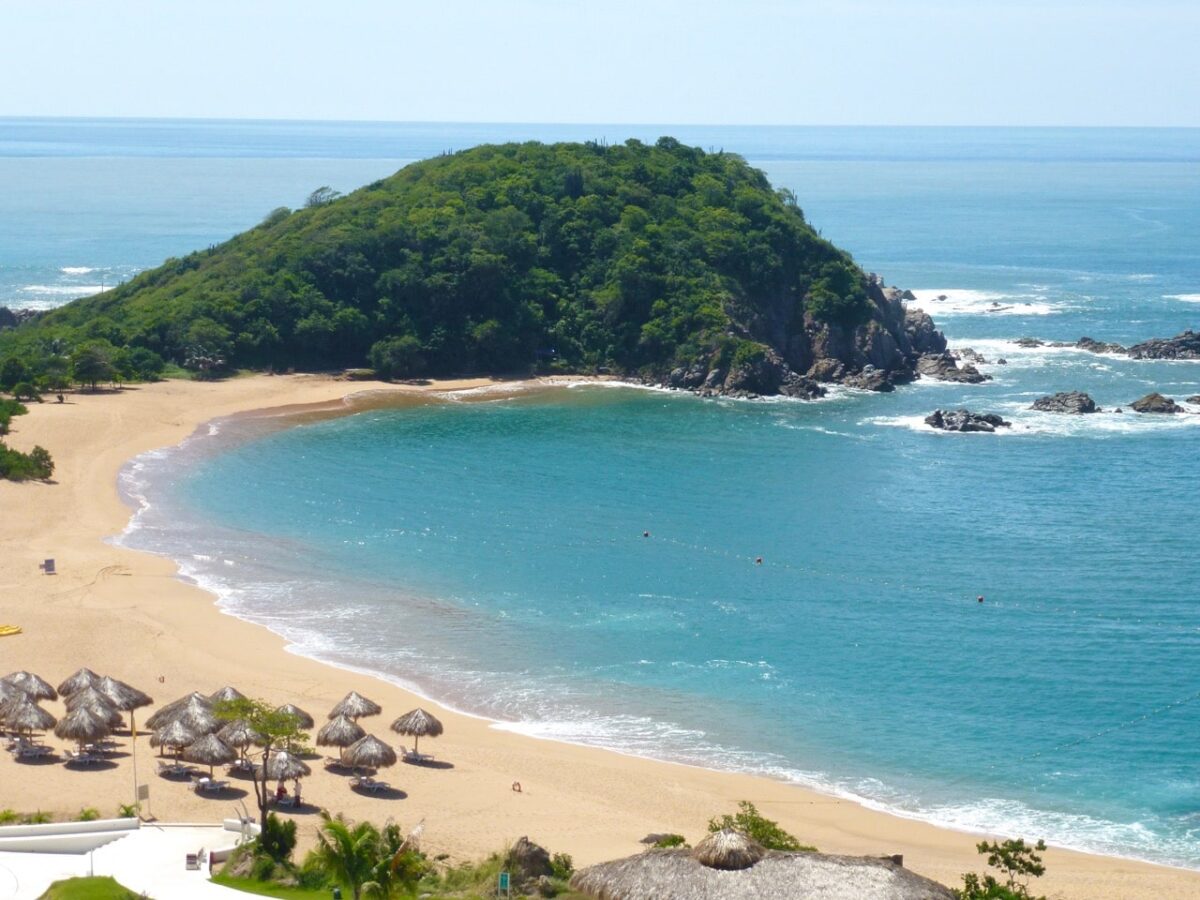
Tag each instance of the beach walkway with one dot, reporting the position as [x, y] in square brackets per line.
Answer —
[149, 860]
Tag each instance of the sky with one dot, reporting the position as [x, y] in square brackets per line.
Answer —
[807, 62]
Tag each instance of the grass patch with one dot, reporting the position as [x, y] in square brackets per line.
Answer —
[88, 889]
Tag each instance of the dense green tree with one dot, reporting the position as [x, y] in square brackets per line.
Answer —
[13, 370]
[92, 363]
[634, 257]
[349, 854]
[278, 730]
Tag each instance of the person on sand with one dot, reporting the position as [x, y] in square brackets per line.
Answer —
[280, 792]
[516, 786]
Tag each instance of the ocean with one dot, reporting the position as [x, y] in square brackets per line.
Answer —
[488, 549]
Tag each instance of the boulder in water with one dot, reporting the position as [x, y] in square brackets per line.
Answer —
[1182, 346]
[965, 420]
[942, 367]
[1029, 342]
[870, 379]
[1156, 403]
[1195, 399]
[1072, 402]
[1094, 346]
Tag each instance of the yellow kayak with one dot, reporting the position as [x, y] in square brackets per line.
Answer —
[6, 630]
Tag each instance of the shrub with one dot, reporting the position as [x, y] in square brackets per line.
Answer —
[88, 814]
[670, 840]
[278, 838]
[1018, 862]
[35, 818]
[127, 810]
[9, 816]
[562, 866]
[25, 391]
[750, 822]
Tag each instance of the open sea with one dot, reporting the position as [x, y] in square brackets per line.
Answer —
[487, 549]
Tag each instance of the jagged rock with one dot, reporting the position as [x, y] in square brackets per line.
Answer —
[922, 333]
[942, 367]
[965, 420]
[528, 862]
[1029, 342]
[1195, 399]
[907, 295]
[714, 379]
[1156, 403]
[1072, 402]
[970, 355]
[1002, 361]
[1182, 346]
[827, 370]
[870, 379]
[1094, 346]
[799, 386]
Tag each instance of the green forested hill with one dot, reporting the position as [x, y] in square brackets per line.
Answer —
[497, 259]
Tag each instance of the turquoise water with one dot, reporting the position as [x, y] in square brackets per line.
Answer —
[489, 549]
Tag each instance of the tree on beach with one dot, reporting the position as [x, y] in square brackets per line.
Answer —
[1018, 862]
[278, 731]
[92, 363]
[349, 854]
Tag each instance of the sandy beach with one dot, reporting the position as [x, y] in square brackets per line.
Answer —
[126, 613]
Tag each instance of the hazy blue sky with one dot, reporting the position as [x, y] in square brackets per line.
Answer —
[1090, 62]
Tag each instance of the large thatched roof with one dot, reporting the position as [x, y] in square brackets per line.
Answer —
[283, 765]
[418, 723]
[238, 733]
[35, 686]
[82, 678]
[303, 719]
[165, 714]
[173, 734]
[354, 705]
[22, 714]
[209, 750]
[124, 696]
[85, 723]
[369, 752]
[339, 732]
[225, 694]
[728, 849]
[91, 698]
[678, 875]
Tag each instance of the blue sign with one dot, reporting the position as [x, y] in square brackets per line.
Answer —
[504, 881]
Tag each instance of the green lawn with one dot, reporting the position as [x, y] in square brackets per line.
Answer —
[88, 889]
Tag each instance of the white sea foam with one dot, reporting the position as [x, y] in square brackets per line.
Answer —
[62, 290]
[965, 302]
[1026, 421]
[1186, 298]
[76, 270]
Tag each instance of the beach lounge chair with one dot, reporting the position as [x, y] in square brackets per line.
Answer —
[417, 759]
[47, 566]
[192, 861]
[367, 783]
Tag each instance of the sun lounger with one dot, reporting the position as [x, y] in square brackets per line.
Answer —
[175, 769]
[412, 756]
[47, 566]
[242, 765]
[83, 759]
[33, 751]
[210, 785]
[370, 784]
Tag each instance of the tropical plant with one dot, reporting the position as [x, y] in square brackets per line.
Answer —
[1017, 861]
[278, 838]
[349, 854]
[750, 822]
[277, 729]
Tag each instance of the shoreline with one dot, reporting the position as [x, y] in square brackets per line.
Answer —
[592, 802]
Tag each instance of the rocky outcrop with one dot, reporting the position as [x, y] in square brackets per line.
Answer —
[964, 420]
[942, 367]
[1029, 343]
[1182, 346]
[970, 355]
[802, 355]
[11, 318]
[1094, 346]
[528, 863]
[1069, 402]
[1195, 399]
[1156, 403]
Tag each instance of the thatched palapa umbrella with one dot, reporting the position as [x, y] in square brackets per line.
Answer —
[339, 732]
[85, 725]
[35, 686]
[354, 706]
[240, 735]
[282, 766]
[226, 694]
[84, 677]
[303, 719]
[91, 698]
[23, 715]
[124, 697]
[10, 693]
[175, 735]
[164, 714]
[729, 865]
[369, 752]
[418, 724]
[209, 750]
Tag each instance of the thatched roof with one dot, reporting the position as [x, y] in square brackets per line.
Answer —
[678, 875]
[92, 699]
[339, 732]
[209, 750]
[225, 694]
[82, 678]
[10, 693]
[124, 696]
[284, 765]
[354, 705]
[85, 723]
[35, 686]
[238, 733]
[369, 752]
[418, 723]
[728, 849]
[173, 734]
[303, 719]
[22, 714]
[169, 711]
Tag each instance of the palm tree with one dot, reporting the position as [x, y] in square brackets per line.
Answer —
[349, 854]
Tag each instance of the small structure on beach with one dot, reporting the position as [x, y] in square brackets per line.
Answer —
[125, 697]
[175, 735]
[35, 686]
[209, 750]
[283, 766]
[303, 719]
[355, 706]
[729, 865]
[165, 714]
[418, 724]
[369, 752]
[24, 716]
[81, 679]
[226, 694]
[340, 732]
[85, 725]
